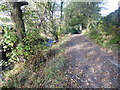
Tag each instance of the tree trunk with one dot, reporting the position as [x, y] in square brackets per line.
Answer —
[16, 16]
[119, 17]
[56, 38]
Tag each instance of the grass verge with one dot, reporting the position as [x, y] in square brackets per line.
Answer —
[37, 74]
[104, 39]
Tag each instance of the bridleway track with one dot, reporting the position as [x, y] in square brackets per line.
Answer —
[89, 65]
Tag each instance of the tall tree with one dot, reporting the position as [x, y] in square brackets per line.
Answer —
[16, 16]
[53, 25]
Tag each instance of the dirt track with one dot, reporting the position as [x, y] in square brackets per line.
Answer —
[89, 65]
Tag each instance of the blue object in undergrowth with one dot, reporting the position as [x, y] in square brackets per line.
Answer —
[50, 42]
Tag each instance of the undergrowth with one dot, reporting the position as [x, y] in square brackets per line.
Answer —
[45, 70]
[104, 38]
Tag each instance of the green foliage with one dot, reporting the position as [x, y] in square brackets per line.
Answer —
[73, 31]
[106, 32]
[43, 19]
[114, 40]
[10, 38]
[49, 74]
[4, 6]
[84, 13]
[32, 44]
[4, 88]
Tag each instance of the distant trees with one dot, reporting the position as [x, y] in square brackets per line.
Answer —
[55, 21]
[85, 13]
[46, 17]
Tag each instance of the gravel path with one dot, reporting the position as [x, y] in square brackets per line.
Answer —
[89, 65]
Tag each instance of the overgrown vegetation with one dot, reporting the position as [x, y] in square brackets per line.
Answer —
[37, 73]
[106, 32]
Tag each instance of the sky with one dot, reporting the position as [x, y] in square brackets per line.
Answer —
[110, 6]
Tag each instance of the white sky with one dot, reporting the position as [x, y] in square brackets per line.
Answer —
[110, 6]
